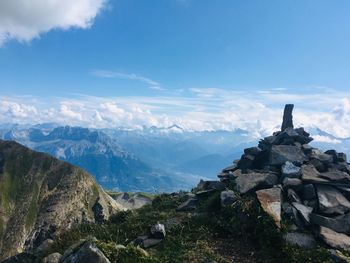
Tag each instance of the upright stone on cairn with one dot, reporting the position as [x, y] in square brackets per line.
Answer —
[288, 117]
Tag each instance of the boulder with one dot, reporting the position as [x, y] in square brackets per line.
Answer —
[230, 168]
[189, 205]
[280, 154]
[334, 239]
[290, 170]
[340, 224]
[270, 200]
[227, 198]
[87, 253]
[209, 185]
[304, 212]
[300, 239]
[158, 231]
[252, 181]
[331, 200]
[52, 258]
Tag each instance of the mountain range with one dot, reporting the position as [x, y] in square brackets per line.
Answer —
[150, 159]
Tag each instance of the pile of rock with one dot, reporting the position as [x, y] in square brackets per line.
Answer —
[308, 186]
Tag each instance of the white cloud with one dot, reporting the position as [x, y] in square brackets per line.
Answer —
[25, 20]
[321, 138]
[129, 76]
[203, 109]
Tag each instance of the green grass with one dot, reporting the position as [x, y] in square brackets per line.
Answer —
[193, 239]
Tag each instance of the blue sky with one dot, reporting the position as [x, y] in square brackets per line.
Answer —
[197, 52]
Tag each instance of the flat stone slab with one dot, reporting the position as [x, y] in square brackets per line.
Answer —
[270, 201]
[331, 200]
[340, 224]
[252, 181]
[280, 154]
[300, 239]
[304, 211]
[310, 174]
[334, 239]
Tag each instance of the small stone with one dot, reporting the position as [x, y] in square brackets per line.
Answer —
[227, 198]
[87, 253]
[338, 257]
[52, 258]
[310, 174]
[270, 201]
[158, 231]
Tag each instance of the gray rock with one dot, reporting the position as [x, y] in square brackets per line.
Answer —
[52, 258]
[309, 192]
[336, 176]
[331, 200]
[270, 200]
[280, 154]
[230, 168]
[158, 231]
[310, 174]
[253, 151]
[87, 253]
[287, 117]
[252, 181]
[246, 161]
[227, 198]
[290, 170]
[334, 239]
[320, 166]
[293, 196]
[323, 157]
[293, 183]
[189, 205]
[210, 185]
[300, 239]
[340, 224]
[341, 157]
[304, 212]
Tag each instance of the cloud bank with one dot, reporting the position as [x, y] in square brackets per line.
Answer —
[25, 20]
[199, 109]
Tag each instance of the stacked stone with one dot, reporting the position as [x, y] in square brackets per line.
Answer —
[290, 177]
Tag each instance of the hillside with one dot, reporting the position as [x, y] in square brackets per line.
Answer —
[40, 196]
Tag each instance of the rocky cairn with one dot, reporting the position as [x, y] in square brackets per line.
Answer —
[293, 180]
